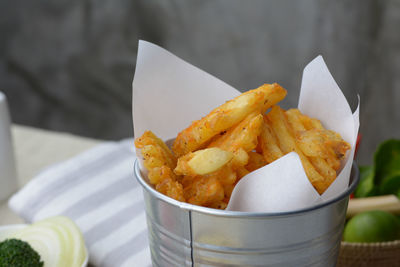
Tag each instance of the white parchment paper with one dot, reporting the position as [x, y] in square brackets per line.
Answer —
[169, 93]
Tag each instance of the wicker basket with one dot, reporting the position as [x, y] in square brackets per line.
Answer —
[369, 254]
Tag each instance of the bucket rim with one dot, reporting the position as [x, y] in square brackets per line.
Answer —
[354, 180]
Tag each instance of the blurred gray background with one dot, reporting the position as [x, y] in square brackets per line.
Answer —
[67, 65]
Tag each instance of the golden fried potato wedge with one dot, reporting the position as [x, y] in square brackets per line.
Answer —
[225, 175]
[153, 156]
[204, 191]
[166, 183]
[335, 141]
[225, 116]
[323, 168]
[309, 123]
[315, 141]
[255, 162]
[314, 149]
[294, 117]
[203, 161]
[158, 174]
[241, 172]
[287, 143]
[221, 205]
[228, 189]
[268, 143]
[240, 158]
[244, 135]
[311, 143]
[159, 161]
[154, 150]
[149, 138]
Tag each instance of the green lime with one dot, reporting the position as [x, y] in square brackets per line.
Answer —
[390, 185]
[366, 186]
[372, 226]
[387, 160]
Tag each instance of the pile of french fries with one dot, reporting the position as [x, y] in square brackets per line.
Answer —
[246, 133]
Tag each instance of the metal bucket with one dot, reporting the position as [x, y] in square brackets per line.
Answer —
[182, 234]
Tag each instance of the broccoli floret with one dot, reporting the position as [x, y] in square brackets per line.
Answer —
[18, 253]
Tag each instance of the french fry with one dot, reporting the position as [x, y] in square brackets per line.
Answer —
[315, 157]
[215, 152]
[275, 95]
[287, 144]
[159, 161]
[153, 156]
[244, 135]
[255, 162]
[228, 188]
[258, 148]
[241, 172]
[158, 174]
[314, 145]
[167, 184]
[268, 143]
[225, 116]
[323, 168]
[316, 141]
[154, 151]
[307, 133]
[200, 188]
[335, 141]
[311, 143]
[204, 191]
[240, 158]
[226, 175]
[152, 162]
[218, 205]
[310, 123]
[293, 116]
[241, 139]
[203, 161]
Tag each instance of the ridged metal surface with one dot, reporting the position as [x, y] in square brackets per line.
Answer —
[169, 233]
[296, 240]
[181, 234]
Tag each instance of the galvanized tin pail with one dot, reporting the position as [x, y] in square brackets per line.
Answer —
[182, 234]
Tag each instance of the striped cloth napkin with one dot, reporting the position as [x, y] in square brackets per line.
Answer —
[96, 189]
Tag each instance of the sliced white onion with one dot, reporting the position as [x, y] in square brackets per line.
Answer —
[58, 241]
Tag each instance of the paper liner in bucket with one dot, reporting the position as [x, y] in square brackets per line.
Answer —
[169, 93]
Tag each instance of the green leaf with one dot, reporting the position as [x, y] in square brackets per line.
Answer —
[390, 185]
[387, 160]
[366, 186]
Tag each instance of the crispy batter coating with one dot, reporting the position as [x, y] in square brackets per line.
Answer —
[287, 143]
[244, 135]
[154, 151]
[204, 191]
[159, 161]
[268, 143]
[227, 115]
[255, 162]
[215, 152]
[167, 184]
